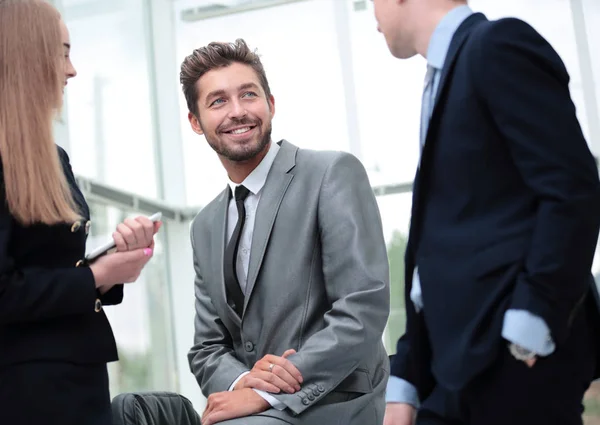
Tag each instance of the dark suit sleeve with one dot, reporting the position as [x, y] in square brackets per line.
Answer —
[412, 350]
[113, 296]
[34, 293]
[523, 83]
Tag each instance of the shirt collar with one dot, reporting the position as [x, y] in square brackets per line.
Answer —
[442, 36]
[258, 177]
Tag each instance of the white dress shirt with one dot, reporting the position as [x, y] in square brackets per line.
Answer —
[254, 183]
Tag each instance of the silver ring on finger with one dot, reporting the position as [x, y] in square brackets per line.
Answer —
[271, 366]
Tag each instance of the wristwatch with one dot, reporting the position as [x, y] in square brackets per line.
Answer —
[520, 353]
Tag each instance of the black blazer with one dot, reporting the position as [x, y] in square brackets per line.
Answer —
[47, 304]
[506, 205]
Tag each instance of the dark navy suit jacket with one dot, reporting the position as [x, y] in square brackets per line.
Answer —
[506, 205]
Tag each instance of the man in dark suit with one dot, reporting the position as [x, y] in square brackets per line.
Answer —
[502, 319]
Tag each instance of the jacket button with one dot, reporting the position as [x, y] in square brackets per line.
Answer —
[305, 401]
[311, 397]
[320, 388]
[88, 224]
[249, 346]
[98, 306]
[316, 393]
[75, 227]
[79, 263]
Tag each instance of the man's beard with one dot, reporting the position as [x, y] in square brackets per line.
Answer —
[247, 152]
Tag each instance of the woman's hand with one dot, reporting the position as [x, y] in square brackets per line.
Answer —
[135, 233]
[119, 267]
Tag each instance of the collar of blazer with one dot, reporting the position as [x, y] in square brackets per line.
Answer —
[278, 181]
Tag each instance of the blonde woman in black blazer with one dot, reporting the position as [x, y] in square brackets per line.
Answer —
[55, 339]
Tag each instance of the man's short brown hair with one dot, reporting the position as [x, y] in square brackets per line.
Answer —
[213, 56]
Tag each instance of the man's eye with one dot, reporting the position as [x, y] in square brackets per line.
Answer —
[217, 102]
[249, 94]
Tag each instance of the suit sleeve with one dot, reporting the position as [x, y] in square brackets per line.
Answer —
[212, 357]
[410, 381]
[356, 275]
[523, 83]
[114, 296]
[31, 294]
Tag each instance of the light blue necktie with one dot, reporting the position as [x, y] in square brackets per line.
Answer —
[427, 103]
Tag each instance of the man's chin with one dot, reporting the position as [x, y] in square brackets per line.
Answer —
[402, 52]
[243, 152]
[242, 149]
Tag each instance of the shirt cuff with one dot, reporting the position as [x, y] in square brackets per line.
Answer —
[416, 294]
[238, 380]
[275, 404]
[528, 331]
[400, 391]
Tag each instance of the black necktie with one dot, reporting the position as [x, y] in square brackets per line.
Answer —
[234, 291]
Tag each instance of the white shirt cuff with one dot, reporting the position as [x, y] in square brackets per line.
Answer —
[232, 386]
[275, 404]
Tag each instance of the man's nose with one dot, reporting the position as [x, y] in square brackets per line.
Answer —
[237, 110]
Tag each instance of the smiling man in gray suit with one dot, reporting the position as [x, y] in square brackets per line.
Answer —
[292, 278]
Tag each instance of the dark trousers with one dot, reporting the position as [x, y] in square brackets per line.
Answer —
[511, 393]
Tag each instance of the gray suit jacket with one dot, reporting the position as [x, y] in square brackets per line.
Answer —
[318, 282]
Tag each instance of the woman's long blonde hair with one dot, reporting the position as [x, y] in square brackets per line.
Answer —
[31, 83]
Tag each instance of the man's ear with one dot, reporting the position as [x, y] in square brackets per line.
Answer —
[271, 101]
[195, 123]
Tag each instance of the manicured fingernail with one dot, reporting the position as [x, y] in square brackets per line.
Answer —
[147, 252]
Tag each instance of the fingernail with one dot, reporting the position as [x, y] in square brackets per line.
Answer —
[147, 252]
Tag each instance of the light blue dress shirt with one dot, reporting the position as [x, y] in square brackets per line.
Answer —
[519, 326]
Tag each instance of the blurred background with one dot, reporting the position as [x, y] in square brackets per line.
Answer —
[336, 87]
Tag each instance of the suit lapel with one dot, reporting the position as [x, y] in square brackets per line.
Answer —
[218, 244]
[278, 180]
[458, 41]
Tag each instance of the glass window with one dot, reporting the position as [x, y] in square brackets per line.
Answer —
[591, 11]
[395, 215]
[388, 97]
[304, 73]
[592, 405]
[109, 113]
[141, 323]
[592, 399]
[389, 90]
